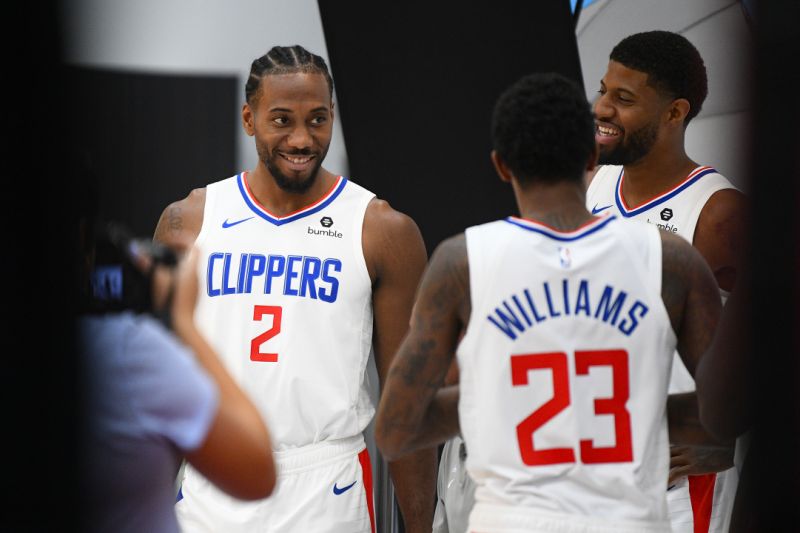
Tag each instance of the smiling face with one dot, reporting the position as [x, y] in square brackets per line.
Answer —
[628, 115]
[291, 120]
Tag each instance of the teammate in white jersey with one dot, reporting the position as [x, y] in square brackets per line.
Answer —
[654, 86]
[571, 321]
[296, 266]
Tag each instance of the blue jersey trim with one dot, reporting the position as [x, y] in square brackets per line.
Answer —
[558, 236]
[654, 203]
[281, 221]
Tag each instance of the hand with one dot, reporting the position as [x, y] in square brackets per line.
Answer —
[696, 460]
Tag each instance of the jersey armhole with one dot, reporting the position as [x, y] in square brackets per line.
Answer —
[208, 209]
[358, 231]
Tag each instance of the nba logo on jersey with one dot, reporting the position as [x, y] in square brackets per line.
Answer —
[565, 256]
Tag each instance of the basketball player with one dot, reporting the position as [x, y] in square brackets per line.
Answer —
[655, 84]
[571, 323]
[296, 265]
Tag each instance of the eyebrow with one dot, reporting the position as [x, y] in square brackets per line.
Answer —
[286, 110]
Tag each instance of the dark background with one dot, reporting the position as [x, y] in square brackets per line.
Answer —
[416, 83]
[416, 152]
[151, 136]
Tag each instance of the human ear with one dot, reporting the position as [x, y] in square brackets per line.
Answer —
[247, 120]
[500, 166]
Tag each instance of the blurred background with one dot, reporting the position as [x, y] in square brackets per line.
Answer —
[148, 94]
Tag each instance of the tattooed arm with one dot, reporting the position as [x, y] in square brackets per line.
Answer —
[415, 410]
[180, 222]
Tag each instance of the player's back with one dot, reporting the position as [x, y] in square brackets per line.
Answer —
[563, 377]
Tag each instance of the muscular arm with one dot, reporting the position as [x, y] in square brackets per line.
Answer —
[181, 221]
[396, 257]
[720, 234]
[724, 387]
[416, 410]
[692, 300]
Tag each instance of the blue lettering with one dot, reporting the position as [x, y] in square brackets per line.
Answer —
[565, 286]
[291, 273]
[533, 307]
[521, 310]
[311, 270]
[642, 310]
[582, 303]
[242, 272]
[210, 274]
[329, 295]
[553, 312]
[615, 308]
[226, 272]
[275, 267]
[256, 264]
[507, 321]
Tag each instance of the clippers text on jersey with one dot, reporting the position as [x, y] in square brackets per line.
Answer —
[291, 275]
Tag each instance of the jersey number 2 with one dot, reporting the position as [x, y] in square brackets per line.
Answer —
[621, 452]
[255, 345]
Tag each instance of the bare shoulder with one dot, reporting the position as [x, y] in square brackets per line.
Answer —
[391, 238]
[726, 205]
[381, 220]
[180, 222]
[721, 232]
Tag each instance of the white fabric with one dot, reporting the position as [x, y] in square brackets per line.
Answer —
[685, 203]
[567, 297]
[319, 488]
[287, 303]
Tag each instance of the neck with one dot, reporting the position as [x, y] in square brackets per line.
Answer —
[658, 171]
[282, 202]
[560, 205]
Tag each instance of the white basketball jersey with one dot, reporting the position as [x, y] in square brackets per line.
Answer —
[287, 304]
[563, 375]
[677, 211]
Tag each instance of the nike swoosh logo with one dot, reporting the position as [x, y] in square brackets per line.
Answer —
[595, 210]
[227, 224]
[337, 490]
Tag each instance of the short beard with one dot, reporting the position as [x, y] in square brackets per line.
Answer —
[288, 184]
[284, 182]
[638, 145]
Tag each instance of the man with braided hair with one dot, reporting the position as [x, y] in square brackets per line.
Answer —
[654, 86]
[303, 273]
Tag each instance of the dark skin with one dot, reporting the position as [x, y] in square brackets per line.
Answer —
[627, 102]
[419, 408]
[291, 120]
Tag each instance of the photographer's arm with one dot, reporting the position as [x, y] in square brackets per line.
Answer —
[236, 454]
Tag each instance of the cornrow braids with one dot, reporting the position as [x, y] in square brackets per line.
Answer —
[284, 60]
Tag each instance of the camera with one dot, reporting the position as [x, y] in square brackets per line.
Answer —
[119, 281]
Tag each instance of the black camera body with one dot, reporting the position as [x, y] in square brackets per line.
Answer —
[117, 282]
